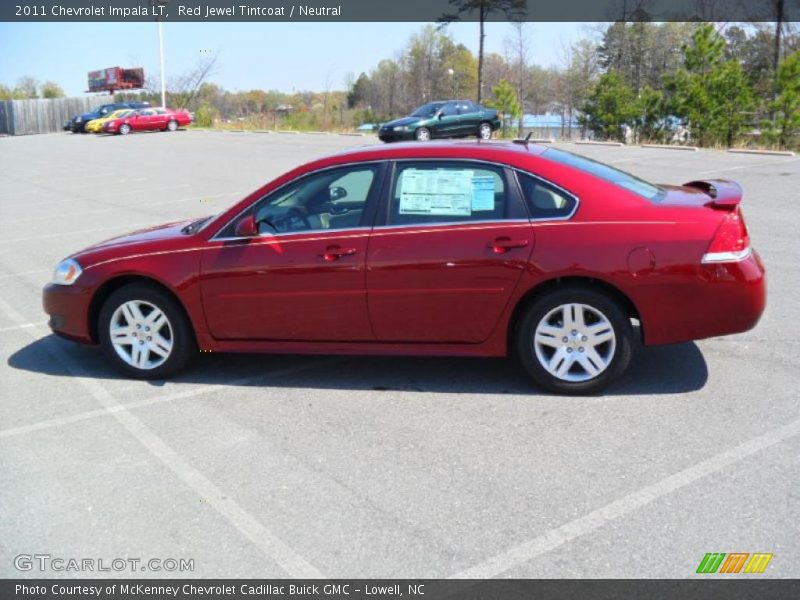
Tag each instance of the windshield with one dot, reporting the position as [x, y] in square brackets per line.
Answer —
[621, 178]
[427, 110]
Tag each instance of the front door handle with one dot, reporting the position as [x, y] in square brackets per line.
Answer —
[502, 245]
[333, 253]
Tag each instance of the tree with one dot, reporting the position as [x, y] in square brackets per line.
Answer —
[359, 92]
[610, 107]
[513, 10]
[506, 102]
[26, 87]
[52, 90]
[731, 100]
[691, 94]
[519, 50]
[785, 108]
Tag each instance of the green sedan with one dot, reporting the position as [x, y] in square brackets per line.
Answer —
[446, 119]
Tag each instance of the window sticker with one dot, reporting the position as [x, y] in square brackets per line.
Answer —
[483, 192]
[441, 192]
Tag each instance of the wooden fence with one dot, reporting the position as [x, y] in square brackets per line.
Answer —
[23, 117]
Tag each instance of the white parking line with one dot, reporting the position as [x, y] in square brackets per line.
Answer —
[557, 537]
[251, 528]
[24, 273]
[127, 226]
[22, 326]
[132, 206]
[182, 395]
[750, 166]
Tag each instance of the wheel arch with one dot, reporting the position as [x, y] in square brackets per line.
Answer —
[112, 285]
[592, 283]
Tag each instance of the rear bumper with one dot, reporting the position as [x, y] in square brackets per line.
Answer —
[727, 298]
[68, 308]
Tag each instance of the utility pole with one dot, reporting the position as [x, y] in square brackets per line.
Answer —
[161, 53]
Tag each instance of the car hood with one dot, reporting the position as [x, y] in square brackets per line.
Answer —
[403, 121]
[161, 237]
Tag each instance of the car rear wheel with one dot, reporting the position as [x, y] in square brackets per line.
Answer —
[124, 129]
[145, 333]
[574, 341]
[485, 131]
[423, 134]
[172, 125]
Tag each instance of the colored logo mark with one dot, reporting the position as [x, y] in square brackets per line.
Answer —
[734, 562]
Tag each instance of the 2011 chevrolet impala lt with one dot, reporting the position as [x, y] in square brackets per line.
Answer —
[470, 249]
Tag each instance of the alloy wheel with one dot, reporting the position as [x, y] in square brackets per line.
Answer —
[485, 131]
[141, 334]
[574, 342]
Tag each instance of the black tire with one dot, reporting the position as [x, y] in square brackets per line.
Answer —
[618, 352]
[124, 129]
[172, 125]
[184, 346]
[423, 134]
[485, 131]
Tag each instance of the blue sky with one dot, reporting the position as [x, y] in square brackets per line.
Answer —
[283, 56]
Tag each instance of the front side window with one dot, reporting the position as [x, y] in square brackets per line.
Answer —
[331, 199]
[427, 110]
[146, 113]
[545, 201]
[447, 192]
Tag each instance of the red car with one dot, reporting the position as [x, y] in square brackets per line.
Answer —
[470, 249]
[149, 119]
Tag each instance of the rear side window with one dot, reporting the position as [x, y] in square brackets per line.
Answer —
[545, 201]
[447, 192]
[621, 178]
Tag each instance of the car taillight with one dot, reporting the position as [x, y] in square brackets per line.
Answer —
[731, 242]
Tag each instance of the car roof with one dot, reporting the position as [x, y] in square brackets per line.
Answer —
[500, 151]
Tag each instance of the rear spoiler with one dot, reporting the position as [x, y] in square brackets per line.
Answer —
[724, 193]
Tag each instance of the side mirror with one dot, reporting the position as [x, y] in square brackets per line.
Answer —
[439, 114]
[247, 226]
[337, 193]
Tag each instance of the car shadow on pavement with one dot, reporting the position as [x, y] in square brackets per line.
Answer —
[669, 369]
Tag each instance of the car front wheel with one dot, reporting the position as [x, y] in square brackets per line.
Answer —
[423, 134]
[574, 341]
[145, 333]
[124, 129]
[172, 126]
[485, 131]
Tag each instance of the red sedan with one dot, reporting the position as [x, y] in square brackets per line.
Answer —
[471, 249]
[149, 119]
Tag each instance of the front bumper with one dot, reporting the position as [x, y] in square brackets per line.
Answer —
[389, 135]
[68, 308]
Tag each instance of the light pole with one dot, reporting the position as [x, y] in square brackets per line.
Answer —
[452, 81]
[161, 53]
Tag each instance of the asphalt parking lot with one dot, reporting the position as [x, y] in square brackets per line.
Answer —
[276, 466]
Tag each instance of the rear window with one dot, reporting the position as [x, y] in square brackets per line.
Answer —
[625, 180]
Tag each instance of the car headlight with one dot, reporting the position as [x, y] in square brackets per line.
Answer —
[78, 119]
[67, 272]
[400, 128]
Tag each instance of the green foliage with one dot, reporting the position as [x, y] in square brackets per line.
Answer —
[205, 115]
[52, 90]
[784, 126]
[359, 93]
[610, 106]
[711, 94]
[506, 102]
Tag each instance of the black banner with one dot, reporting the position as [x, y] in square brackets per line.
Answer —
[396, 10]
[385, 589]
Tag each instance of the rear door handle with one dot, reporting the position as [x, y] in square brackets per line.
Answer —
[502, 245]
[333, 253]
